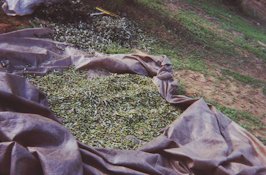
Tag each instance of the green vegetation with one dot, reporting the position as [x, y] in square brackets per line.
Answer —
[247, 35]
[199, 29]
[230, 20]
[244, 119]
[242, 78]
[245, 79]
[116, 49]
[191, 62]
[223, 32]
[206, 32]
[118, 111]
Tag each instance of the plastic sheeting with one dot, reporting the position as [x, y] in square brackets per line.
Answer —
[33, 141]
[23, 7]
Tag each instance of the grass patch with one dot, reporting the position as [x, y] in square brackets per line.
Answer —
[244, 119]
[205, 32]
[217, 35]
[197, 29]
[229, 21]
[116, 49]
[191, 62]
[264, 90]
[245, 79]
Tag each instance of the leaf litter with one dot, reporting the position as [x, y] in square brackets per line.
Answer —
[72, 23]
[120, 111]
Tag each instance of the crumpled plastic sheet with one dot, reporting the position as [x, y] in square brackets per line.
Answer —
[24, 7]
[33, 141]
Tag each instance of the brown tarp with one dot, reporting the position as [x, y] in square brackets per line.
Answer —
[202, 141]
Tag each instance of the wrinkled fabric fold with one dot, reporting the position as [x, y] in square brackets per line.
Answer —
[24, 7]
[33, 141]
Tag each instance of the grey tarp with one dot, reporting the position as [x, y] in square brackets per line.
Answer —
[33, 141]
[23, 7]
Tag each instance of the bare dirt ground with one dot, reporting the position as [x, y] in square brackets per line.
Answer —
[8, 24]
[248, 65]
[225, 91]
